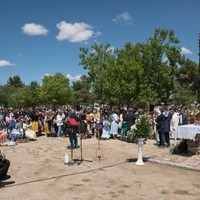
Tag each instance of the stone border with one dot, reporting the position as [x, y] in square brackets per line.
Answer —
[183, 166]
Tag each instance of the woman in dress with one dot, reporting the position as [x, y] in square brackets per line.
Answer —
[114, 124]
[106, 128]
[29, 132]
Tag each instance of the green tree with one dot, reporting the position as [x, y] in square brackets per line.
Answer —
[100, 64]
[186, 82]
[28, 96]
[6, 91]
[83, 93]
[15, 81]
[55, 90]
[159, 59]
[135, 74]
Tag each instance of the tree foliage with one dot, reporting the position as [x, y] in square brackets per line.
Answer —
[55, 90]
[83, 95]
[15, 81]
[141, 74]
[186, 82]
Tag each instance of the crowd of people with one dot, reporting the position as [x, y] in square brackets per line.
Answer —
[95, 122]
[87, 122]
[166, 122]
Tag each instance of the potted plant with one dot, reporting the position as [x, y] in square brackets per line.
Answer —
[141, 130]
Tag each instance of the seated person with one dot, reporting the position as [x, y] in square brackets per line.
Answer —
[29, 132]
[4, 166]
[3, 135]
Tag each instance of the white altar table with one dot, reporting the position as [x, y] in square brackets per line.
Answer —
[187, 131]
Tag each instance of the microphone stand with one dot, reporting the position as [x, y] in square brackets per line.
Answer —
[81, 146]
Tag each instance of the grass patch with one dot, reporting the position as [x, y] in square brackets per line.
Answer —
[121, 191]
[113, 194]
[182, 192]
[165, 192]
[124, 186]
[196, 185]
[77, 185]
[86, 180]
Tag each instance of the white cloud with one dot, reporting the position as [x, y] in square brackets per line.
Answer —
[111, 49]
[69, 76]
[73, 78]
[77, 32]
[185, 51]
[123, 18]
[4, 63]
[33, 29]
[47, 75]
[97, 34]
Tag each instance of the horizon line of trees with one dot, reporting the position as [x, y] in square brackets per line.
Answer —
[143, 74]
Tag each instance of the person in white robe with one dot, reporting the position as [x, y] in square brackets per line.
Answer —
[106, 128]
[174, 122]
[114, 125]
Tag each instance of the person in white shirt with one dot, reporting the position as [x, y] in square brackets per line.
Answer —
[59, 122]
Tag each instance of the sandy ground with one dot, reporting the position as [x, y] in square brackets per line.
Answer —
[108, 171]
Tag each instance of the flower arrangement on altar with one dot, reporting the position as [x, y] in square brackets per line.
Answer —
[141, 129]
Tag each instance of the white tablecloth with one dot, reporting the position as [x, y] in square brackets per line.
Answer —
[187, 131]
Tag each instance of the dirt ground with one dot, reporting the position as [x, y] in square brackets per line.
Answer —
[107, 171]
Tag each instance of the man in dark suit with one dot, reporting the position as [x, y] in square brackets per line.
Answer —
[129, 118]
[183, 118]
[166, 117]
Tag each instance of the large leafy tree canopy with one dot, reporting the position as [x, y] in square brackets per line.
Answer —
[140, 74]
[100, 64]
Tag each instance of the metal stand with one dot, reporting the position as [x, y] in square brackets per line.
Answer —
[72, 160]
[81, 160]
[99, 151]
[81, 147]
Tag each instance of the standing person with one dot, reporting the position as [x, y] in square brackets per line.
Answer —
[114, 124]
[166, 117]
[155, 124]
[90, 122]
[98, 123]
[106, 128]
[174, 122]
[40, 123]
[130, 118]
[83, 123]
[4, 167]
[47, 123]
[158, 121]
[183, 118]
[74, 129]
[123, 126]
[59, 122]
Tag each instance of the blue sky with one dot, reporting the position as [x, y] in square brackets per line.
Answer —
[40, 37]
